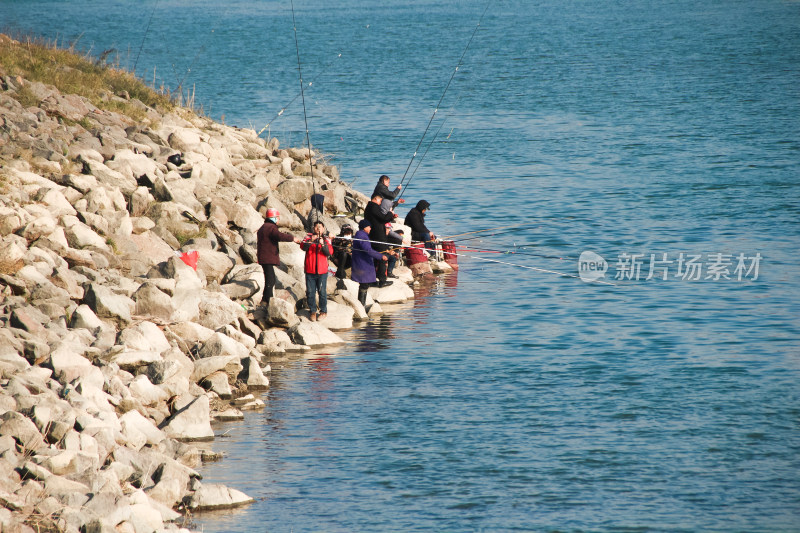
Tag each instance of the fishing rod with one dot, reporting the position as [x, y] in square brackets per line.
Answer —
[450, 237]
[528, 267]
[433, 115]
[146, 29]
[421, 159]
[305, 115]
[499, 233]
[514, 252]
[280, 113]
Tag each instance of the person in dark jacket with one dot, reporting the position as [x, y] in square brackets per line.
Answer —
[343, 251]
[364, 257]
[318, 248]
[377, 221]
[268, 253]
[415, 219]
[382, 190]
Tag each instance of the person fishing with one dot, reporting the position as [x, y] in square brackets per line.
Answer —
[377, 221]
[318, 248]
[395, 238]
[343, 251]
[267, 238]
[382, 190]
[364, 257]
[415, 219]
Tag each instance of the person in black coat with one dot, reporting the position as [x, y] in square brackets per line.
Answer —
[382, 189]
[377, 222]
[415, 219]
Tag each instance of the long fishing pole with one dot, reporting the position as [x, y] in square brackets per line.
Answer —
[433, 115]
[528, 267]
[513, 252]
[284, 108]
[146, 29]
[450, 237]
[305, 115]
[421, 159]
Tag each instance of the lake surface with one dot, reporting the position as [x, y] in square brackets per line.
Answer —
[506, 398]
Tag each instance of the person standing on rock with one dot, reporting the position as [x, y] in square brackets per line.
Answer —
[415, 219]
[377, 221]
[364, 257]
[343, 251]
[268, 253]
[318, 249]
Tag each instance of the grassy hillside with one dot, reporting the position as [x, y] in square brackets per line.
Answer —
[72, 73]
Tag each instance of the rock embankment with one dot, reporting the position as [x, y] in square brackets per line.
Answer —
[116, 356]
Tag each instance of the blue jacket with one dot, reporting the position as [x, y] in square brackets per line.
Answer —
[363, 259]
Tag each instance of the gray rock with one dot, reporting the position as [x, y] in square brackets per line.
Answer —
[220, 344]
[252, 375]
[22, 429]
[314, 334]
[191, 421]
[208, 365]
[215, 265]
[217, 310]
[106, 304]
[84, 317]
[241, 290]
[217, 382]
[152, 302]
[212, 496]
[281, 313]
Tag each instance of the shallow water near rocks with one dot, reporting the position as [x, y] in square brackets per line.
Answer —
[504, 398]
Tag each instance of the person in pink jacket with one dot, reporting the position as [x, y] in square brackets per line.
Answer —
[318, 248]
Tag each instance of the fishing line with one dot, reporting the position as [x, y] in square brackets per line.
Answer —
[513, 252]
[146, 29]
[305, 115]
[284, 108]
[433, 115]
[421, 159]
[544, 270]
[450, 237]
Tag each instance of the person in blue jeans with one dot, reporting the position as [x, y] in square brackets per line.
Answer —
[318, 248]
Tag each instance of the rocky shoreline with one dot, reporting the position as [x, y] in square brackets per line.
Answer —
[116, 356]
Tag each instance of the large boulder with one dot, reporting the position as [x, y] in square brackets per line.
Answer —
[281, 313]
[252, 375]
[191, 420]
[152, 302]
[212, 496]
[339, 317]
[217, 310]
[215, 265]
[107, 304]
[395, 293]
[132, 165]
[314, 334]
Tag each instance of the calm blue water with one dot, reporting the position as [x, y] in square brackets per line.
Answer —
[505, 398]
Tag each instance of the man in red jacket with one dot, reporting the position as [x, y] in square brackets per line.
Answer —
[268, 254]
[318, 248]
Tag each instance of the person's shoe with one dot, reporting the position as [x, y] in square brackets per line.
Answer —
[313, 317]
[384, 284]
[391, 276]
[322, 316]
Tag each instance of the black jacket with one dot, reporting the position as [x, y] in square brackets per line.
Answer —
[415, 219]
[377, 223]
[384, 192]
